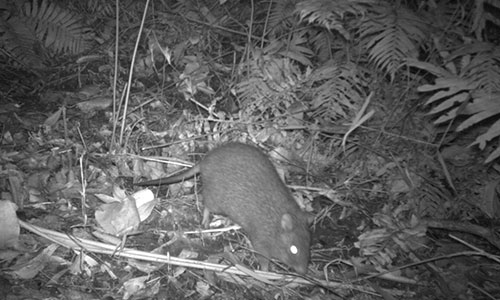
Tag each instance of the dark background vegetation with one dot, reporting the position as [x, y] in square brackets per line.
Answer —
[383, 116]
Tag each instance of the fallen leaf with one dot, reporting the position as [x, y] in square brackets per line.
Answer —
[145, 201]
[30, 269]
[9, 226]
[118, 218]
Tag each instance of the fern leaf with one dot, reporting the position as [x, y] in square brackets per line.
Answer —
[493, 156]
[338, 93]
[58, 28]
[280, 16]
[450, 115]
[18, 39]
[323, 43]
[391, 36]
[490, 134]
[330, 14]
[295, 51]
[450, 102]
[431, 68]
[481, 109]
[476, 118]
[453, 86]
[484, 70]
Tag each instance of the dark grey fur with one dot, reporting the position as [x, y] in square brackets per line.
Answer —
[240, 182]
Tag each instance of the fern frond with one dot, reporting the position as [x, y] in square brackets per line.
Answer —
[18, 40]
[471, 89]
[478, 78]
[281, 17]
[99, 8]
[336, 90]
[480, 109]
[270, 86]
[484, 69]
[452, 92]
[391, 36]
[492, 133]
[59, 29]
[296, 50]
[485, 107]
[330, 14]
[431, 68]
[323, 42]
